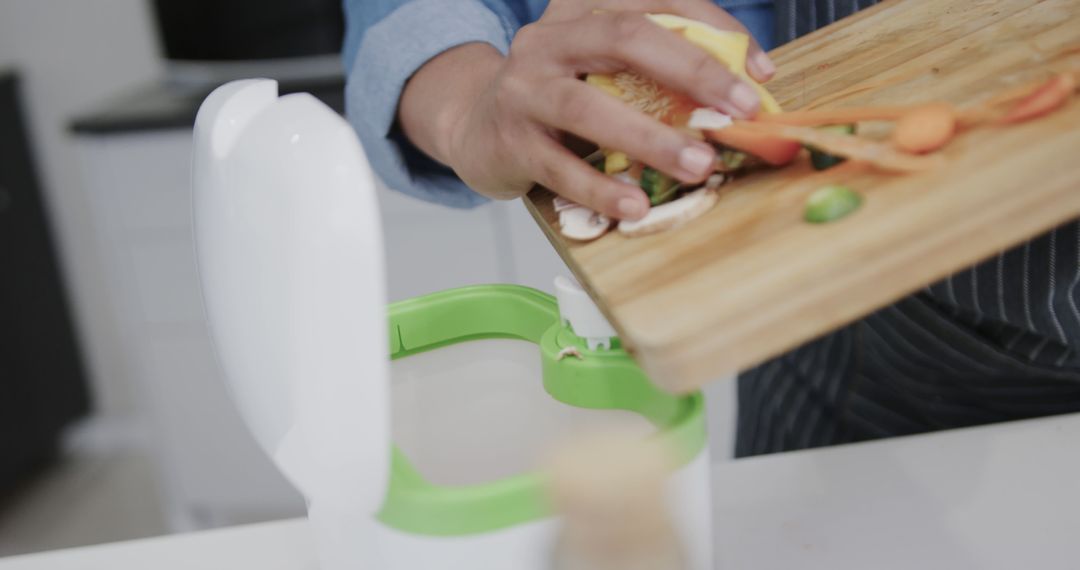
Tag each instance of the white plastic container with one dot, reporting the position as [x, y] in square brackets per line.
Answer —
[290, 249]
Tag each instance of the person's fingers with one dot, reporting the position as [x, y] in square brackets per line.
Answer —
[610, 41]
[572, 106]
[558, 170]
[563, 10]
[758, 63]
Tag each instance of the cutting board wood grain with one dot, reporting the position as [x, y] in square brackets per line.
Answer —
[750, 280]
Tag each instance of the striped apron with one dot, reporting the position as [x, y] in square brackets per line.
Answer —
[992, 343]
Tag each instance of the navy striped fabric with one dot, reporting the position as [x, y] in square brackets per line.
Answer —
[993, 343]
[795, 18]
[997, 342]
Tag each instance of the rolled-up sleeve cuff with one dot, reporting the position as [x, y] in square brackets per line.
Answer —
[391, 51]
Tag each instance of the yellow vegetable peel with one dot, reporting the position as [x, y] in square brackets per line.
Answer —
[729, 48]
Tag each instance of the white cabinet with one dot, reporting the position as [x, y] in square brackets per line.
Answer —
[211, 469]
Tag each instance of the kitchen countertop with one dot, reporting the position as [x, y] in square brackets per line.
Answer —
[1005, 496]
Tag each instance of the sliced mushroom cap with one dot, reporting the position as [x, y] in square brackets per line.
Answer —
[560, 204]
[706, 119]
[715, 181]
[671, 215]
[627, 178]
[583, 224]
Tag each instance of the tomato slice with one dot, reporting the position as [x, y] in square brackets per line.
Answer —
[775, 151]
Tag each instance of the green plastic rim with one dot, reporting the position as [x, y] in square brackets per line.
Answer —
[601, 380]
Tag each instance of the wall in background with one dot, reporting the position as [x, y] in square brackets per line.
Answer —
[72, 55]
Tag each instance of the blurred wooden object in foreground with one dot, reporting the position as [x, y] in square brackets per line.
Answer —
[609, 489]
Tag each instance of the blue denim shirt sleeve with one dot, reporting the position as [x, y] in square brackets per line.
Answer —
[388, 40]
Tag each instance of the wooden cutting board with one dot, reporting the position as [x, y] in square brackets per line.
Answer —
[750, 280]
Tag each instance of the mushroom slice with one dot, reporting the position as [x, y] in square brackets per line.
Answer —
[706, 119]
[583, 224]
[715, 181]
[671, 215]
[560, 204]
[627, 178]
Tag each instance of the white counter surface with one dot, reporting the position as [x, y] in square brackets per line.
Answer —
[996, 497]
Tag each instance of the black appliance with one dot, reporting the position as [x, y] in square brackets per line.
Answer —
[230, 30]
[42, 384]
[209, 42]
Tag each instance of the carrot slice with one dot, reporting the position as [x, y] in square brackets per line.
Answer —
[773, 150]
[879, 154]
[925, 129]
[1050, 96]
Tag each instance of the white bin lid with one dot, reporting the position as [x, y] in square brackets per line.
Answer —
[290, 253]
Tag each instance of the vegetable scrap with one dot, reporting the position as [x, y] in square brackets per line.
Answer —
[882, 155]
[831, 203]
[674, 213]
[925, 129]
[1045, 99]
[822, 160]
[580, 223]
[776, 138]
[569, 351]
[659, 187]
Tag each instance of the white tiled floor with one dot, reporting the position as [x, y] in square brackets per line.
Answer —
[83, 501]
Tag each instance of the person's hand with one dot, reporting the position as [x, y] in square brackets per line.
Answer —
[499, 122]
